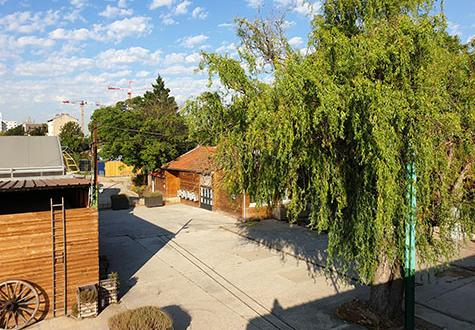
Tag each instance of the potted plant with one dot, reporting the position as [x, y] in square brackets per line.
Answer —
[153, 199]
[87, 305]
[108, 289]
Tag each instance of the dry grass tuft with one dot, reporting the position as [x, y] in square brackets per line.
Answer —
[143, 318]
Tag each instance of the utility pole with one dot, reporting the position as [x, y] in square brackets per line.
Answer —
[95, 175]
[410, 249]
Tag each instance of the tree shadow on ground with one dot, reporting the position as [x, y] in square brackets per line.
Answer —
[181, 318]
[298, 242]
[441, 291]
[129, 242]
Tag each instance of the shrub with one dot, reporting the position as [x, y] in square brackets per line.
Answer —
[88, 295]
[139, 189]
[143, 318]
[114, 276]
[149, 194]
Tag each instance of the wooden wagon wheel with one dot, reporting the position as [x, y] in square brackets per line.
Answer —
[19, 302]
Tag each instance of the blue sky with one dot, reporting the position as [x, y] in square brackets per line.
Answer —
[74, 49]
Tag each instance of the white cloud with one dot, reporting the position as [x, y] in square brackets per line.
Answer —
[74, 16]
[34, 41]
[254, 3]
[295, 41]
[117, 57]
[134, 26]
[142, 74]
[26, 22]
[181, 58]
[303, 7]
[177, 70]
[182, 7]
[225, 25]
[76, 35]
[116, 74]
[454, 28]
[229, 48]
[200, 13]
[160, 3]
[78, 3]
[111, 12]
[13, 47]
[184, 87]
[122, 3]
[192, 41]
[3, 69]
[193, 58]
[173, 58]
[167, 19]
[54, 66]
[288, 24]
[116, 31]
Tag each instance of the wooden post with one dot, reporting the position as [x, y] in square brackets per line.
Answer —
[94, 152]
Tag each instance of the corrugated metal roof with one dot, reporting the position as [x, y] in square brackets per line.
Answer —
[30, 152]
[198, 160]
[36, 184]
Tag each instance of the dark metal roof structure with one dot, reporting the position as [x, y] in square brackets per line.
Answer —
[40, 184]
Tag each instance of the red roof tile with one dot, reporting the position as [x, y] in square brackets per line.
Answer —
[198, 160]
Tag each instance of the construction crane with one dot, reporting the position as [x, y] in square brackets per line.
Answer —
[128, 89]
[82, 103]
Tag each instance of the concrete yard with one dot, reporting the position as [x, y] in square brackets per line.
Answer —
[209, 272]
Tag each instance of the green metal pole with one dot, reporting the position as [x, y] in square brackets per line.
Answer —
[410, 250]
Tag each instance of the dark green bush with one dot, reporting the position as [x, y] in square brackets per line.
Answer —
[143, 318]
[149, 194]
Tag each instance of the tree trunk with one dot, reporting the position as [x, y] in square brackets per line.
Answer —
[387, 291]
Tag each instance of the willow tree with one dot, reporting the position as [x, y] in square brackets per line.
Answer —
[383, 85]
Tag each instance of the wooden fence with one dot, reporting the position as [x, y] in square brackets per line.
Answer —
[26, 250]
[117, 168]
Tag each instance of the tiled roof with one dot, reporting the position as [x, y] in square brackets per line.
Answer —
[36, 184]
[198, 160]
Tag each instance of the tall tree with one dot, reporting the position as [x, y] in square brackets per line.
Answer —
[145, 132]
[384, 85]
[71, 136]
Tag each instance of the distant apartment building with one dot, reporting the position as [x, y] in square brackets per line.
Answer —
[29, 127]
[9, 124]
[56, 123]
[5, 125]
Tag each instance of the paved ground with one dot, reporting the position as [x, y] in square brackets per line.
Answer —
[210, 273]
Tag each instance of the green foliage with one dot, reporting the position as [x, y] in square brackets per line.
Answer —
[144, 132]
[71, 136]
[150, 194]
[384, 85]
[88, 295]
[39, 131]
[208, 118]
[15, 131]
[143, 318]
